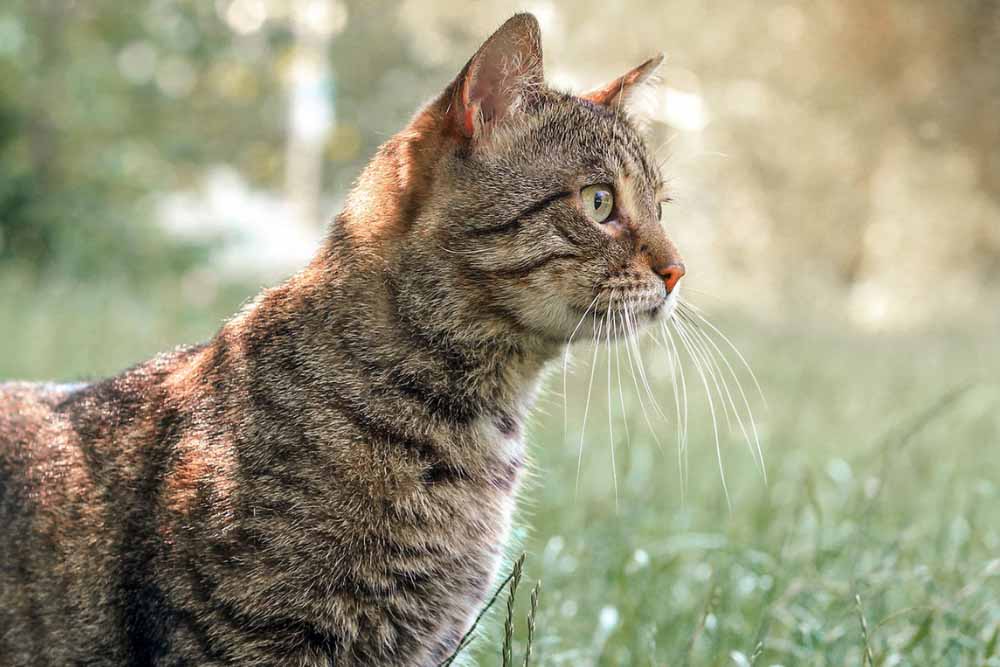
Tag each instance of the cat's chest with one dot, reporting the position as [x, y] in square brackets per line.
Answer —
[479, 499]
[500, 441]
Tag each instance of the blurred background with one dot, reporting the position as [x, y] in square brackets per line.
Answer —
[836, 174]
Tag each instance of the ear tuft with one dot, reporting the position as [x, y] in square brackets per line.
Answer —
[617, 93]
[495, 81]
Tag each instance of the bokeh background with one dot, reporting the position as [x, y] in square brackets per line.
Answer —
[836, 175]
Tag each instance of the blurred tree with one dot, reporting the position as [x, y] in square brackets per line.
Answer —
[104, 106]
[861, 141]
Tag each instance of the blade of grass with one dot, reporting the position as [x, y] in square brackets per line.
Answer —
[531, 622]
[867, 657]
[508, 626]
[991, 645]
[467, 637]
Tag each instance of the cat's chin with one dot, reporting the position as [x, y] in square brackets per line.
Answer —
[582, 324]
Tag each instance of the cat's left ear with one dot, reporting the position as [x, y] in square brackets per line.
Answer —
[499, 77]
[617, 93]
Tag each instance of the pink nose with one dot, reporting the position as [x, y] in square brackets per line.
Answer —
[671, 274]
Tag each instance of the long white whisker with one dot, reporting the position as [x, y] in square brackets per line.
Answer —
[586, 407]
[569, 344]
[675, 390]
[697, 313]
[708, 363]
[684, 394]
[755, 445]
[698, 336]
[711, 407]
[611, 428]
[618, 371]
[631, 367]
[715, 373]
[634, 342]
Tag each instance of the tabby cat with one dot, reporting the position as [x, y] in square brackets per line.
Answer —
[330, 479]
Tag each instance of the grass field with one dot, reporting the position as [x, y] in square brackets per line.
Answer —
[877, 532]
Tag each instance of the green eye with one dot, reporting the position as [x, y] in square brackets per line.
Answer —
[598, 202]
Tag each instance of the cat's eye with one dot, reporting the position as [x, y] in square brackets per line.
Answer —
[598, 202]
[661, 205]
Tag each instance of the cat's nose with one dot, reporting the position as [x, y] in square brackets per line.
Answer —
[671, 274]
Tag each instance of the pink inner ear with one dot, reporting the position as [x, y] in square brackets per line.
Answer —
[506, 65]
[469, 109]
[491, 88]
[606, 95]
[618, 91]
[470, 116]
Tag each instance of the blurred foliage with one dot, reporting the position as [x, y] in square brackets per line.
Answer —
[101, 110]
[840, 155]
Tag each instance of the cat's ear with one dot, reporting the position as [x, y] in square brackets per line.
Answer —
[617, 93]
[499, 77]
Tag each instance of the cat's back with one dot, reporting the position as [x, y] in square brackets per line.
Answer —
[46, 430]
[27, 411]
[35, 446]
[43, 487]
[45, 427]
[70, 459]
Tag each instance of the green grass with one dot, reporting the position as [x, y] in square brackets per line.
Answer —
[883, 467]
[878, 530]
[66, 331]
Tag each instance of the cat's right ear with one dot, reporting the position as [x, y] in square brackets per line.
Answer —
[497, 80]
[618, 92]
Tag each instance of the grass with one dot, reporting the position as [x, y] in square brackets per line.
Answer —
[875, 540]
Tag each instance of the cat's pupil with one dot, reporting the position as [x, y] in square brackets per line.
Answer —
[599, 198]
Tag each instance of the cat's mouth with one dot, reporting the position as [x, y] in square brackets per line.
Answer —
[643, 307]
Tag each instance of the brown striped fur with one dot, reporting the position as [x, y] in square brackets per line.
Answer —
[330, 480]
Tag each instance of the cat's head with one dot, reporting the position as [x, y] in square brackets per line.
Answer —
[513, 204]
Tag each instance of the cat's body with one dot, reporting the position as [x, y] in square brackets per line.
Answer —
[330, 480]
[196, 510]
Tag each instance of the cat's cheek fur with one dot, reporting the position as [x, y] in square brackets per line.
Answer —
[550, 302]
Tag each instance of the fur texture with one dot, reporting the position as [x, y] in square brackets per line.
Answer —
[330, 479]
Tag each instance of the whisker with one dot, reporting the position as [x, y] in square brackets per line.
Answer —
[618, 370]
[680, 370]
[711, 407]
[694, 290]
[708, 354]
[754, 444]
[715, 373]
[569, 344]
[708, 362]
[631, 366]
[586, 407]
[675, 390]
[633, 340]
[694, 310]
[684, 399]
[611, 428]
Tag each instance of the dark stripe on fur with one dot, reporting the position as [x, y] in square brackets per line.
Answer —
[515, 222]
[423, 450]
[146, 615]
[523, 271]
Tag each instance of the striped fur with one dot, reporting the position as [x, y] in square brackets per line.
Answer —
[330, 480]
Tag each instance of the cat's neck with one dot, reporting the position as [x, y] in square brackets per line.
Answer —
[347, 325]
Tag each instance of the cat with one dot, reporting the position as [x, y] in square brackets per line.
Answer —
[330, 480]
